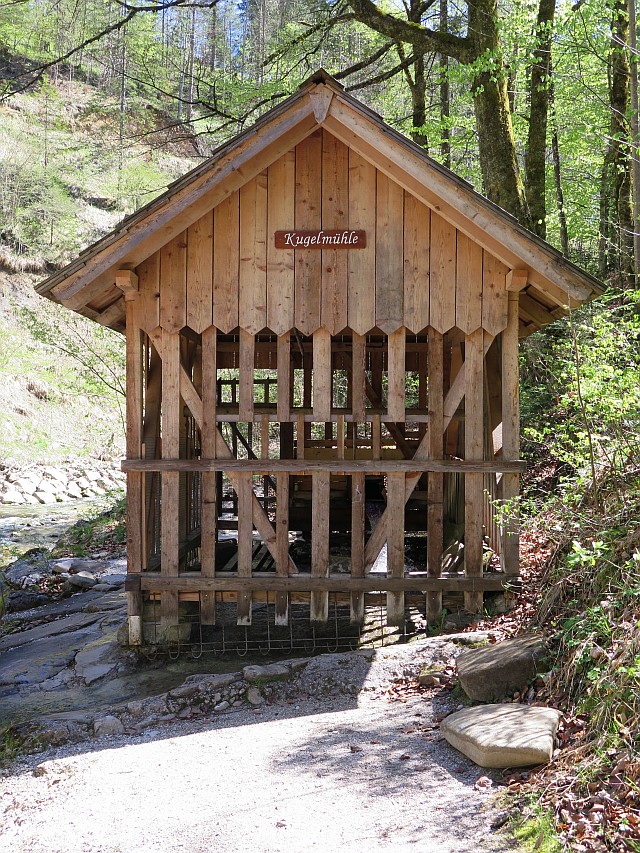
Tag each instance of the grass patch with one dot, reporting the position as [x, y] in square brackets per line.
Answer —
[535, 832]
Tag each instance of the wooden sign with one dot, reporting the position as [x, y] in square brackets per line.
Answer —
[341, 239]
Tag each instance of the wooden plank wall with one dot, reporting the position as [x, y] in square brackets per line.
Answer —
[416, 271]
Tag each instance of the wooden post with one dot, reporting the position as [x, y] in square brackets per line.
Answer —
[282, 546]
[435, 482]
[322, 375]
[320, 481]
[357, 544]
[474, 450]
[510, 555]
[247, 360]
[396, 376]
[244, 491]
[395, 546]
[358, 377]
[170, 495]
[209, 479]
[127, 281]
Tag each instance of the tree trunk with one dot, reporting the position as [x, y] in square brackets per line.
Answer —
[535, 179]
[635, 136]
[445, 105]
[621, 164]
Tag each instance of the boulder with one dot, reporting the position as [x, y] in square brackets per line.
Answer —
[74, 490]
[26, 484]
[19, 600]
[45, 497]
[503, 735]
[12, 496]
[489, 673]
[269, 672]
[108, 725]
[81, 580]
[34, 561]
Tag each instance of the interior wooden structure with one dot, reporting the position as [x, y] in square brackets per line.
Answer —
[360, 400]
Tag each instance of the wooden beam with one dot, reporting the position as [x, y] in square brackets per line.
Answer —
[435, 483]
[474, 448]
[517, 280]
[209, 479]
[127, 281]
[510, 437]
[311, 466]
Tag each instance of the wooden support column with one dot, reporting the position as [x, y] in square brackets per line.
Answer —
[127, 281]
[170, 494]
[320, 484]
[396, 376]
[282, 545]
[395, 546]
[209, 479]
[358, 378]
[510, 553]
[244, 490]
[474, 450]
[322, 375]
[357, 544]
[247, 360]
[435, 481]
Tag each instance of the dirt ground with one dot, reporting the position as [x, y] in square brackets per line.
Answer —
[363, 772]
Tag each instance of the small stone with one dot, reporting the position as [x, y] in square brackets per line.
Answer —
[82, 580]
[83, 483]
[254, 697]
[39, 771]
[108, 725]
[222, 706]
[92, 476]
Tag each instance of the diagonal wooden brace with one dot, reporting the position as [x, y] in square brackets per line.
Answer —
[452, 401]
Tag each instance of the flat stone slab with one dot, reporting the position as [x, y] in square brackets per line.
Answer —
[492, 672]
[499, 736]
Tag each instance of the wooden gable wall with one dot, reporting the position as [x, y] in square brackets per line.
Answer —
[416, 271]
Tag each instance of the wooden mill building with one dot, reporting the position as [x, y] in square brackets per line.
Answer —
[319, 320]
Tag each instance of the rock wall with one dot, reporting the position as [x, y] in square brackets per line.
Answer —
[48, 484]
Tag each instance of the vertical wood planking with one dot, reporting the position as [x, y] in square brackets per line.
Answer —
[173, 284]
[247, 360]
[282, 546]
[376, 437]
[358, 376]
[362, 262]
[322, 375]
[340, 436]
[435, 481]
[417, 239]
[252, 296]
[395, 545]
[335, 215]
[148, 307]
[320, 480]
[468, 285]
[357, 544]
[495, 302]
[170, 495]
[474, 451]
[226, 260]
[200, 273]
[209, 478]
[283, 359]
[396, 376]
[244, 490]
[389, 255]
[510, 434]
[442, 279]
[280, 262]
[308, 216]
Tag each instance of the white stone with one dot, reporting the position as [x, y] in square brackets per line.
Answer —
[45, 497]
[506, 735]
[26, 484]
[13, 497]
[73, 489]
[55, 474]
[92, 476]
[46, 486]
[83, 483]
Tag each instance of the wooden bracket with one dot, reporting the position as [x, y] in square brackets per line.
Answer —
[321, 98]
[517, 280]
[127, 282]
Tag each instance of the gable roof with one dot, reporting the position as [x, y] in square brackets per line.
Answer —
[87, 284]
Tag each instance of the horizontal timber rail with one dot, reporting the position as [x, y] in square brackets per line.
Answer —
[151, 582]
[309, 466]
[230, 415]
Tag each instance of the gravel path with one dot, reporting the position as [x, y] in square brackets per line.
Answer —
[337, 773]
